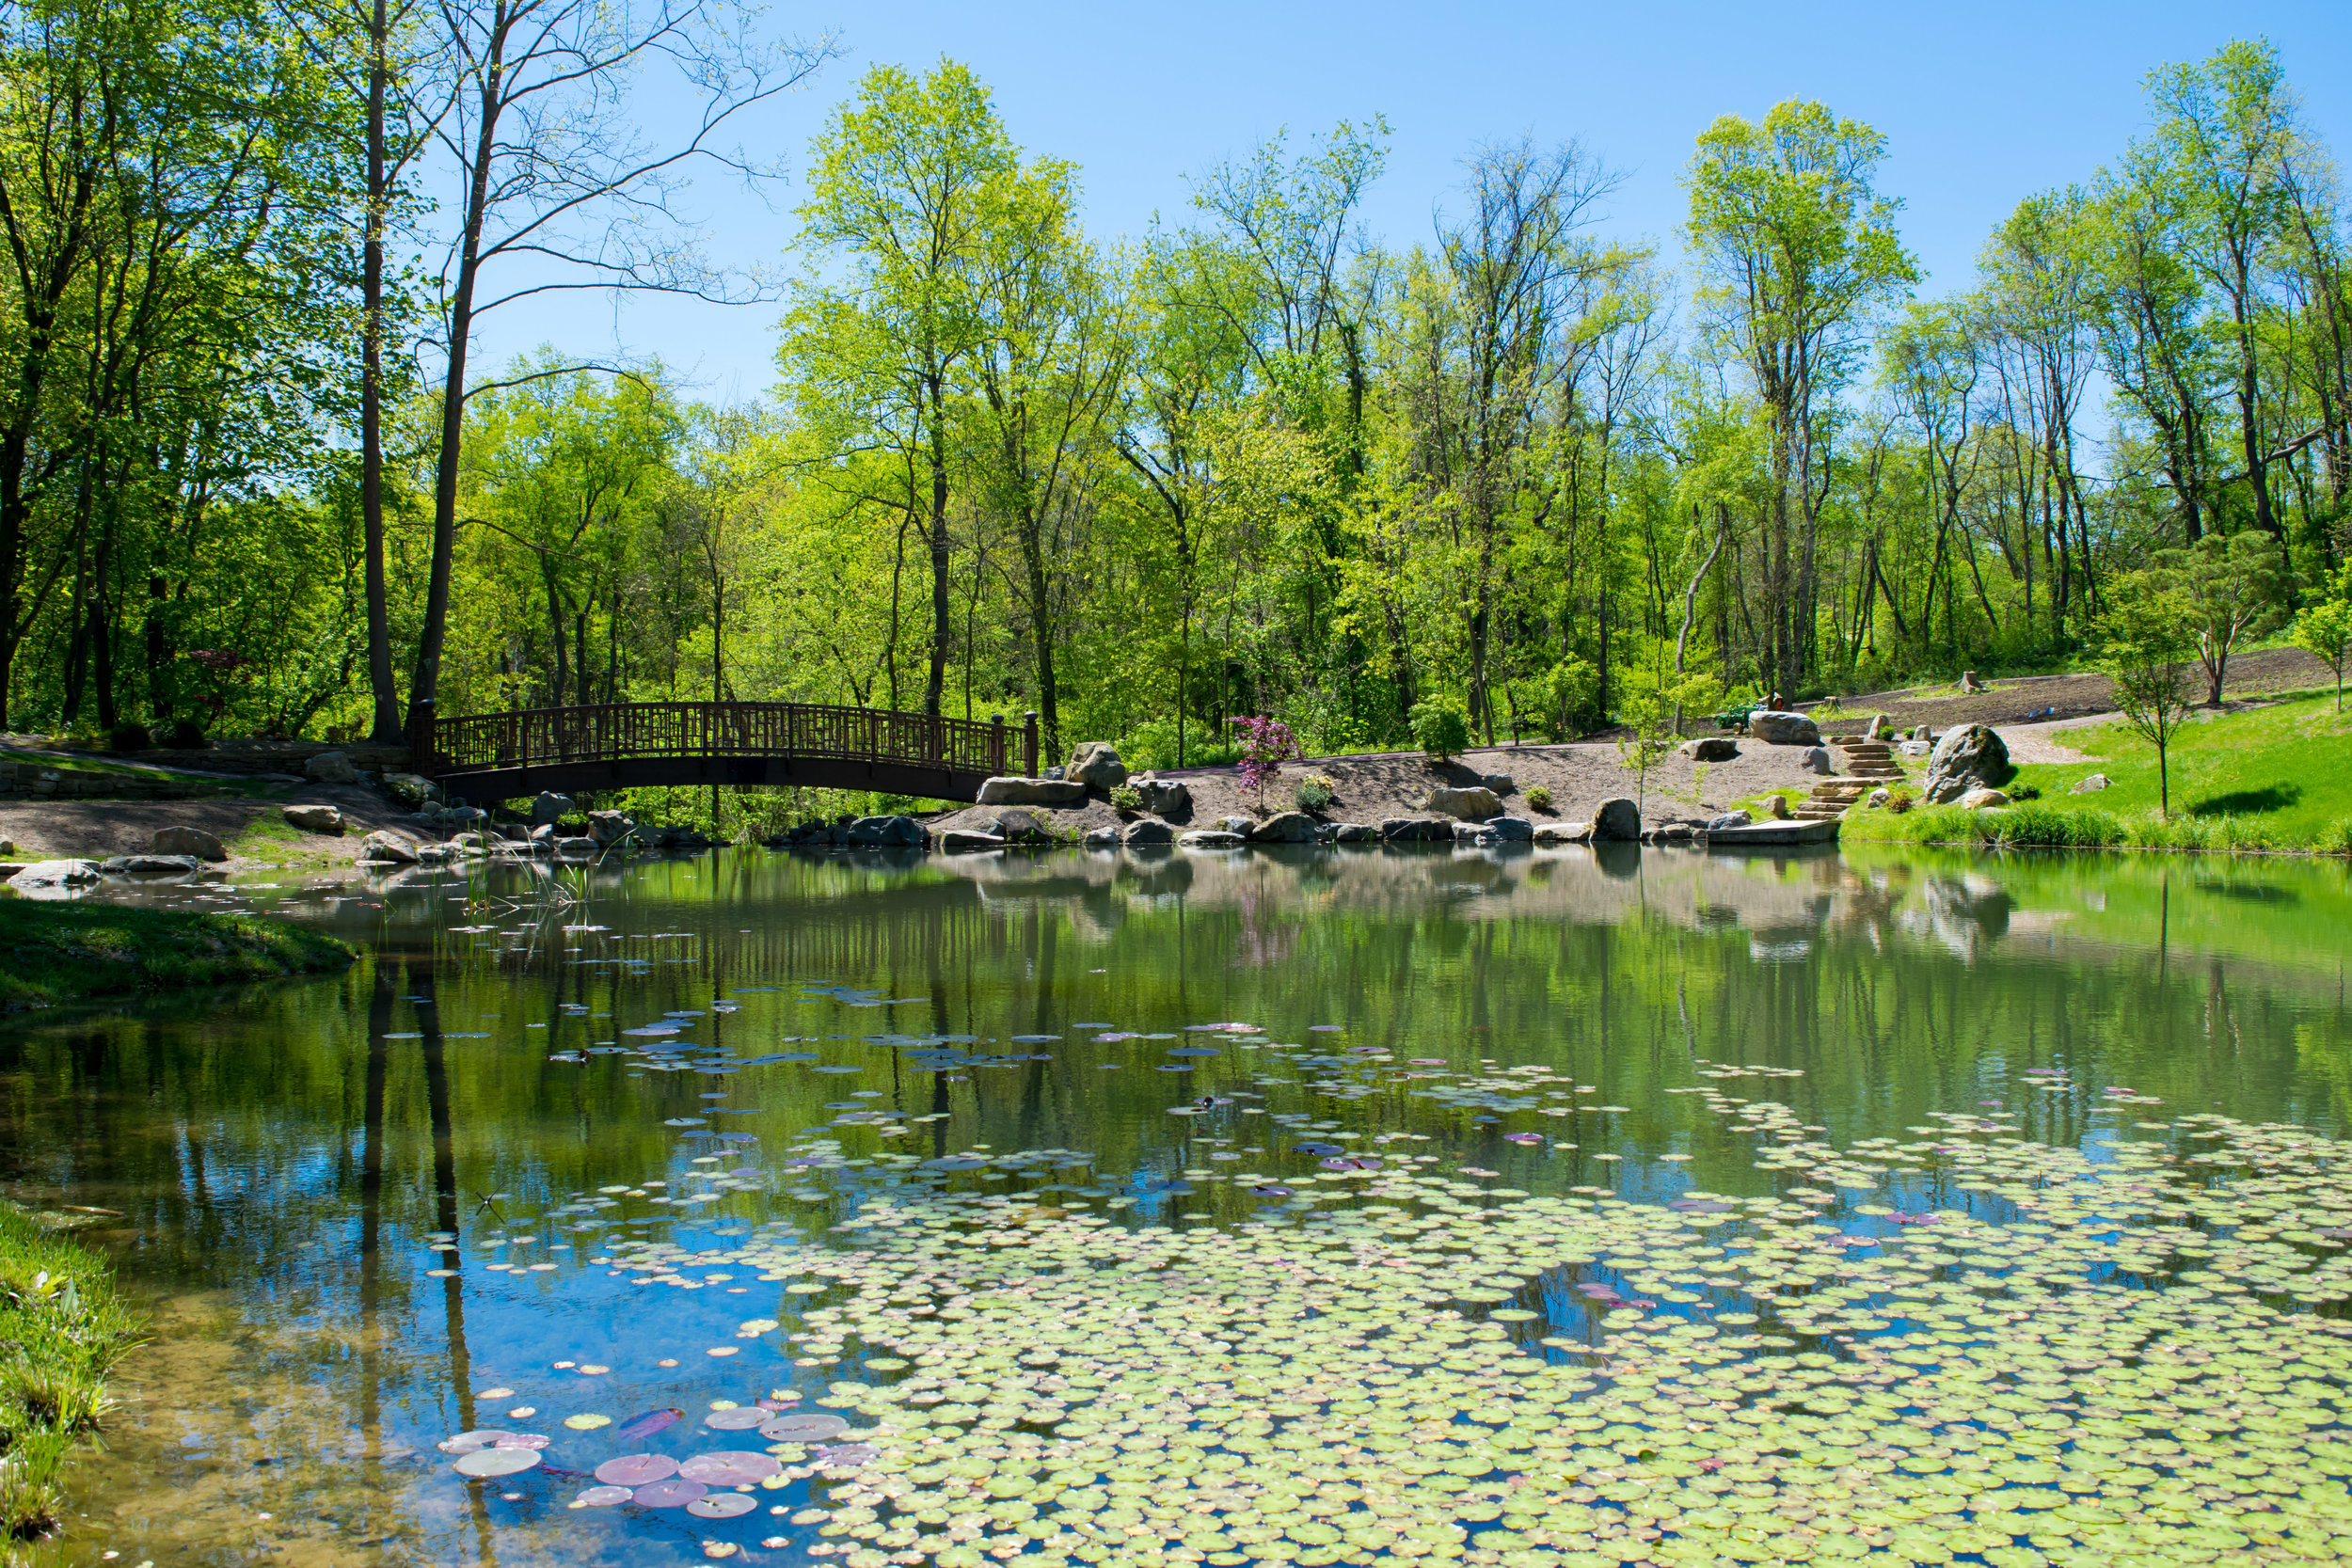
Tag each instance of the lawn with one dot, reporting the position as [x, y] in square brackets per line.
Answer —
[2282, 765]
[56, 950]
[65, 1328]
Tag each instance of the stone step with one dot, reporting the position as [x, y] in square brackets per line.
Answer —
[1866, 748]
[1818, 814]
[1874, 770]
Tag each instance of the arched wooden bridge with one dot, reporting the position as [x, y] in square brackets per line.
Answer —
[499, 756]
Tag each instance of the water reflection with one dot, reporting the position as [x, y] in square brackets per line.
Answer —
[326, 1181]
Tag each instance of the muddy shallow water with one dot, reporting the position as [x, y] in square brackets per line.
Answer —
[1229, 1208]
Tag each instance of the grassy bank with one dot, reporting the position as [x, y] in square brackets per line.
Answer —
[2271, 779]
[59, 951]
[62, 1327]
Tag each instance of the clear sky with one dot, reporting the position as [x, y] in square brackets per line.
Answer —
[1982, 103]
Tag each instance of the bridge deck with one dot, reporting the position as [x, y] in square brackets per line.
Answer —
[498, 756]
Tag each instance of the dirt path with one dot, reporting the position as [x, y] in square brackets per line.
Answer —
[2022, 701]
[61, 830]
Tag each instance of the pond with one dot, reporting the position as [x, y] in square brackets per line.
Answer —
[1517, 1208]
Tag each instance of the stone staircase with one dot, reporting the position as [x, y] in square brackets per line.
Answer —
[1830, 798]
[1866, 764]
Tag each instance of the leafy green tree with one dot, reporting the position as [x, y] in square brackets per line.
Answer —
[1441, 728]
[2324, 629]
[2151, 637]
[2234, 592]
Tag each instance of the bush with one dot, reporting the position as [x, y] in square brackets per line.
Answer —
[128, 736]
[1153, 745]
[1440, 729]
[1315, 792]
[185, 734]
[1539, 797]
[1126, 797]
[1900, 802]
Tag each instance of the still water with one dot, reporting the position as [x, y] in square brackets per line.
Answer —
[755, 1138]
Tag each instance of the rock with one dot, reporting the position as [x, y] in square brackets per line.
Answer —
[543, 834]
[388, 850]
[1021, 828]
[1164, 797]
[1982, 798]
[411, 789]
[1149, 833]
[894, 833]
[609, 828]
[1354, 832]
[1513, 829]
[1502, 783]
[1776, 807]
[330, 767]
[1921, 731]
[1969, 758]
[1095, 763]
[1728, 819]
[1211, 839]
[136, 866]
[1878, 799]
[1285, 827]
[1969, 684]
[186, 841]
[547, 810]
[1242, 825]
[1474, 804]
[1881, 725]
[1674, 833]
[1057, 772]
[580, 847]
[960, 840]
[469, 844]
[1103, 838]
[1563, 832]
[55, 873]
[1917, 748]
[313, 819]
[1013, 790]
[2090, 785]
[1781, 728]
[1619, 819]
[1474, 833]
[1413, 829]
[1711, 747]
[1816, 761]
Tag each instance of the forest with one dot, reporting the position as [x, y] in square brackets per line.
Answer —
[255, 481]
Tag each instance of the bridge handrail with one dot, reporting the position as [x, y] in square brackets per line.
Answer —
[607, 731]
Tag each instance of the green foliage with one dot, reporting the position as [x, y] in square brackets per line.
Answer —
[64, 1327]
[1441, 728]
[2324, 630]
[1315, 792]
[1126, 797]
[1539, 797]
[2149, 630]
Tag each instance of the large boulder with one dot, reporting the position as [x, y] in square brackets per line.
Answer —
[411, 789]
[1013, 790]
[1779, 728]
[1103, 838]
[1474, 804]
[1285, 827]
[957, 841]
[1728, 819]
[1619, 820]
[1513, 829]
[312, 819]
[1164, 797]
[1502, 783]
[1211, 839]
[1982, 798]
[893, 832]
[1413, 829]
[1711, 748]
[147, 865]
[1969, 758]
[1815, 760]
[1020, 827]
[331, 767]
[549, 809]
[1354, 832]
[1474, 833]
[578, 848]
[1149, 832]
[1244, 826]
[50, 874]
[1095, 763]
[186, 841]
[609, 828]
[388, 850]
[1563, 832]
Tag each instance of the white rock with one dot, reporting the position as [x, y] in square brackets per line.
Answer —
[331, 767]
[312, 819]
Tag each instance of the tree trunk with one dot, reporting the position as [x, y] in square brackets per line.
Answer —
[384, 727]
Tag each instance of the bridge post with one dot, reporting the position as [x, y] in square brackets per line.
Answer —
[420, 738]
[996, 743]
[1028, 747]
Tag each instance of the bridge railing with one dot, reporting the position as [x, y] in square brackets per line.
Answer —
[613, 732]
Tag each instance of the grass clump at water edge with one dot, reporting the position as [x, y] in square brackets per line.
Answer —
[59, 950]
[62, 1329]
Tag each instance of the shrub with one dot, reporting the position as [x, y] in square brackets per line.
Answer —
[1126, 797]
[1440, 729]
[185, 734]
[1539, 797]
[1900, 802]
[1266, 744]
[1315, 792]
[128, 736]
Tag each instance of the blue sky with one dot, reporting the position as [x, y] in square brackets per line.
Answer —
[1982, 104]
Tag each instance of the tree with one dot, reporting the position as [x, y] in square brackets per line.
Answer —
[2150, 632]
[549, 173]
[1799, 247]
[2231, 590]
[2324, 630]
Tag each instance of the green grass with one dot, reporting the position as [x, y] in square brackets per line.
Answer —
[59, 950]
[62, 1328]
[2271, 778]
